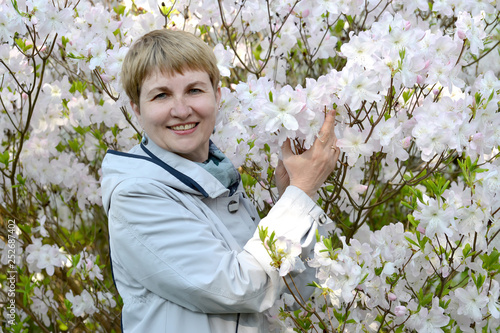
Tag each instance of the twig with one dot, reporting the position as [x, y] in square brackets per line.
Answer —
[482, 55]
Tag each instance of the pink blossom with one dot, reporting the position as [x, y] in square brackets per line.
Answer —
[400, 311]
[353, 144]
[429, 320]
[421, 229]
[43, 302]
[41, 228]
[45, 257]
[473, 29]
[435, 219]
[282, 112]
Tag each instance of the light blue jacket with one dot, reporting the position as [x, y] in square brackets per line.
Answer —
[183, 260]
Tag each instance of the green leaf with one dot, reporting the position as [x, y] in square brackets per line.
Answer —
[120, 9]
[64, 41]
[411, 241]
[164, 10]
[22, 44]
[477, 98]
[338, 316]
[60, 147]
[407, 95]
[328, 243]
[262, 234]
[4, 158]
[74, 145]
[81, 130]
[62, 326]
[424, 299]
[422, 241]
[20, 179]
[76, 259]
[491, 262]
[339, 26]
[400, 329]
[402, 54]
[466, 250]
[247, 180]
[314, 284]
[115, 130]
[407, 205]
[78, 86]
[479, 281]
[411, 219]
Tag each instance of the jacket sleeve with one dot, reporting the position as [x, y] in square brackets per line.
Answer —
[173, 252]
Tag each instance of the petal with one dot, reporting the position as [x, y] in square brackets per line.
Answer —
[290, 123]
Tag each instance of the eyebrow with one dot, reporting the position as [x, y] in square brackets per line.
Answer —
[167, 89]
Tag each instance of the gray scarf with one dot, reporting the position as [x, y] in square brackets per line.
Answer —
[219, 166]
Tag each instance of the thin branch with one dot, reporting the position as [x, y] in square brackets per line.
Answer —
[482, 55]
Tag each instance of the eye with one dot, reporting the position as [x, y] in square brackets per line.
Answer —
[160, 96]
[194, 91]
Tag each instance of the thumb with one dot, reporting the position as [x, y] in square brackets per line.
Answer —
[280, 168]
[286, 149]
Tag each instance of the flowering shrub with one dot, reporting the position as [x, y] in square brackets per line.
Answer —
[415, 198]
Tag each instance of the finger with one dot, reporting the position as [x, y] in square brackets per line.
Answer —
[328, 127]
[280, 169]
[329, 123]
[286, 149]
[280, 164]
[336, 150]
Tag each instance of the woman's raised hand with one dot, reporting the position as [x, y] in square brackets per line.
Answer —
[309, 170]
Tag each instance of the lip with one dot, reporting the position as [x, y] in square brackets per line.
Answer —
[183, 132]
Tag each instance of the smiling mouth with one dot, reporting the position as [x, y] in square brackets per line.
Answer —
[183, 127]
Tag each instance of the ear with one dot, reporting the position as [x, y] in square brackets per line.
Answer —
[136, 109]
[218, 97]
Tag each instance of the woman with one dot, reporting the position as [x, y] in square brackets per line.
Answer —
[186, 255]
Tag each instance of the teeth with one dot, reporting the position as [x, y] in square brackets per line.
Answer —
[183, 127]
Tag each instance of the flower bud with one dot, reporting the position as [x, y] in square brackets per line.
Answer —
[392, 297]
[406, 142]
[400, 311]
[421, 230]
[445, 271]
[89, 264]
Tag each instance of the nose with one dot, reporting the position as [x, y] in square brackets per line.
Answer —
[180, 108]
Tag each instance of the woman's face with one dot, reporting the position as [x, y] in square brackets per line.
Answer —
[178, 112]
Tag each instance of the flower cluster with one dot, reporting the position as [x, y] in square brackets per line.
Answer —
[284, 252]
[443, 275]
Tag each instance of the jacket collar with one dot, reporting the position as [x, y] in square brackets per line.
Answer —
[148, 160]
[210, 186]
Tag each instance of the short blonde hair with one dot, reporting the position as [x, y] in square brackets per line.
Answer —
[168, 51]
